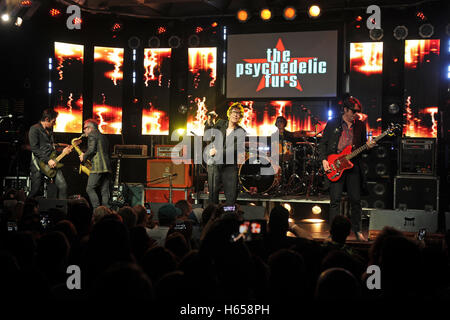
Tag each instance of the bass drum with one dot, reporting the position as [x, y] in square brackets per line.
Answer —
[258, 174]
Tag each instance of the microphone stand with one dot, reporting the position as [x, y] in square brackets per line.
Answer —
[161, 179]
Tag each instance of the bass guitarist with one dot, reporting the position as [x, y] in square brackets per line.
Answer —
[98, 153]
[42, 147]
[338, 134]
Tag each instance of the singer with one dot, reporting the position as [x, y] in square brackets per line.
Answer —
[225, 172]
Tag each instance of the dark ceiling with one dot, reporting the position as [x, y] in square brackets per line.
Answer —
[184, 9]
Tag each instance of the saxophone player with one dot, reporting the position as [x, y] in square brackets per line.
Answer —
[98, 153]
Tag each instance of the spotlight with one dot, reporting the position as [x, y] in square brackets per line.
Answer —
[174, 42]
[376, 34]
[181, 131]
[400, 32]
[26, 3]
[242, 15]
[77, 20]
[198, 29]
[289, 13]
[314, 11]
[116, 27]
[393, 108]
[265, 14]
[154, 42]
[182, 109]
[420, 15]
[18, 21]
[426, 30]
[193, 40]
[54, 12]
[358, 18]
[5, 17]
[161, 30]
[214, 24]
[316, 209]
[288, 207]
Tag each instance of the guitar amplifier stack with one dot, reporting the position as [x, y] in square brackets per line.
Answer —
[161, 170]
[416, 186]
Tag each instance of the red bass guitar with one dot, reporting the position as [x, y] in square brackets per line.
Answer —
[341, 162]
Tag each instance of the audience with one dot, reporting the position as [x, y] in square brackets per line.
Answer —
[204, 259]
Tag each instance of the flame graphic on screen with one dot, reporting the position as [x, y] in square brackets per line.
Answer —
[155, 121]
[113, 56]
[70, 119]
[417, 51]
[67, 51]
[196, 123]
[414, 126]
[152, 62]
[109, 118]
[203, 59]
[366, 57]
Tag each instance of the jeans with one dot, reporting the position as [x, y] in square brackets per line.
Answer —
[352, 180]
[37, 179]
[95, 180]
[228, 175]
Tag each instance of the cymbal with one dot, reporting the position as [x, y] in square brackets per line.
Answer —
[304, 133]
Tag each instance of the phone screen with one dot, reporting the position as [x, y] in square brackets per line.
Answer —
[229, 208]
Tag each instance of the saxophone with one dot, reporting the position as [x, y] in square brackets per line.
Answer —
[87, 166]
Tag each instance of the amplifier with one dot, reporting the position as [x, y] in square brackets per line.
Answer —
[417, 156]
[17, 183]
[169, 151]
[153, 195]
[160, 168]
[130, 150]
[416, 192]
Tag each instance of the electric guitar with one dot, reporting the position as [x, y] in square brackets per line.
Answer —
[341, 162]
[119, 189]
[51, 172]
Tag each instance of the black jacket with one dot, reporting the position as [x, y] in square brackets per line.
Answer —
[331, 134]
[98, 152]
[41, 142]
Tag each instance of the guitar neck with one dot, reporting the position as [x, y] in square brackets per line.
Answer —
[365, 146]
[116, 180]
[58, 158]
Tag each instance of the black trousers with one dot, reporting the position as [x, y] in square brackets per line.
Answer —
[228, 176]
[101, 180]
[352, 181]
[37, 179]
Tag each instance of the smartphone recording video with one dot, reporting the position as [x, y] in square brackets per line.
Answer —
[229, 208]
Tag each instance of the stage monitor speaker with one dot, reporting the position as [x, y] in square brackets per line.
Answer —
[416, 192]
[160, 168]
[253, 212]
[380, 195]
[46, 204]
[417, 156]
[404, 220]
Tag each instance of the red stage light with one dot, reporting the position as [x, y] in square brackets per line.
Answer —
[26, 3]
[214, 24]
[55, 12]
[198, 29]
[420, 15]
[358, 18]
[161, 30]
[116, 27]
[77, 20]
[357, 26]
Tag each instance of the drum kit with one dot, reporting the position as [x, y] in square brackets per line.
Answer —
[298, 172]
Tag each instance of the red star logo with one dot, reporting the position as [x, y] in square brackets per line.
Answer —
[279, 47]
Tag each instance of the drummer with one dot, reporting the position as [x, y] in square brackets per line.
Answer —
[286, 135]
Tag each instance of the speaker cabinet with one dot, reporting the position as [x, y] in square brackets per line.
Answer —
[406, 221]
[162, 168]
[418, 156]
[163, 194]
[416, 192]
[380, 195]
[378, 162]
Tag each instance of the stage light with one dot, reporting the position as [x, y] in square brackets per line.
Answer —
[330, 114]
[19, 21]
[198, 29]
[116, 27]
[242, 15]
[314, 11]
[174, 42]
[5, 17]
[420, 15]
[448, 74]
[214, 24]
[55, 12]
[393, 108]
[289, 13]
[154, 42]
[134, 43]
[426, 30]
[77, 20]
[288, 207]
[181, 131]
[161, 30]
[358, 18]
[400, 32]
[193, 40]
[316, 209]
[265, 14]
[376, 34]
[182, 109]
[26, 3]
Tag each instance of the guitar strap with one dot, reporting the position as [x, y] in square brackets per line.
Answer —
[34, 160]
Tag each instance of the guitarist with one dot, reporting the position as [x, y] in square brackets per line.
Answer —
[98, 153]
[42, 146]
[338, 134]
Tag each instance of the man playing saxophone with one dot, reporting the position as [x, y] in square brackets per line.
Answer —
[98, 153]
